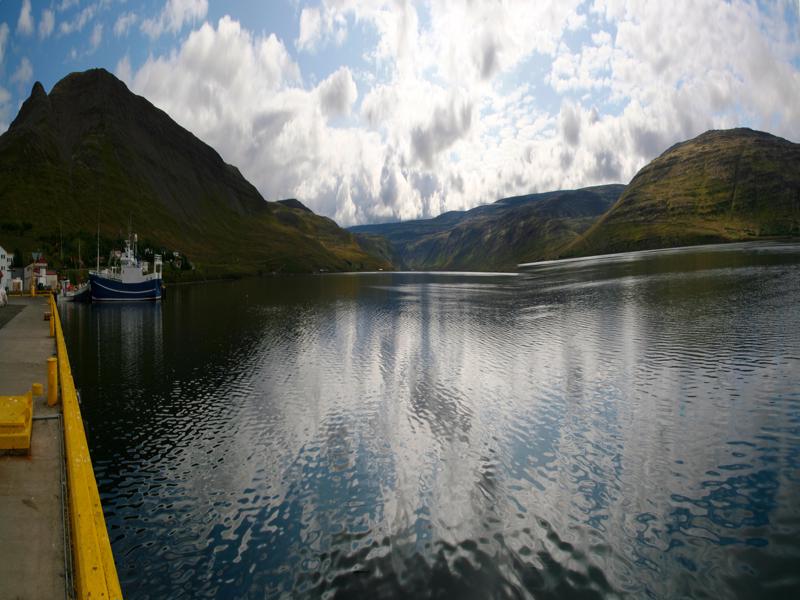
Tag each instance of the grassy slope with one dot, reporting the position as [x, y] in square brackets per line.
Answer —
[728, 185]
[93, 151]
[497, 236]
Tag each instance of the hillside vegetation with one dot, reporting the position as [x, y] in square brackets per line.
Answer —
[91, 152]
[496, 236]
[721, 186]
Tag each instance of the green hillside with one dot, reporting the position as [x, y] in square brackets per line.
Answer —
[496, 236]
[91, 152]
[730, 185]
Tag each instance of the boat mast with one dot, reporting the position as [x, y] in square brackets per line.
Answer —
[98, 236]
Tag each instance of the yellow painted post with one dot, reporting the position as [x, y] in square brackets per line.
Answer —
[52, 381]
[37, 389]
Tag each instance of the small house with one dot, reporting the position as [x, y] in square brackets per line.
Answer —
[36, 274]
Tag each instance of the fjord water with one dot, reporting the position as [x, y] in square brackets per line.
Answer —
[621, 426]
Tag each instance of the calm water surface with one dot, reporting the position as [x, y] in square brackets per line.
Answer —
[614, 427]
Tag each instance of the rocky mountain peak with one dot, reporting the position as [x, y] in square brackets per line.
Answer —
[35, 109]
[38, 90]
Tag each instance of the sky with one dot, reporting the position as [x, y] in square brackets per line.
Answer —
[384, 110]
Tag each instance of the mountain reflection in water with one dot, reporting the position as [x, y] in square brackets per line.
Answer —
[620, 426]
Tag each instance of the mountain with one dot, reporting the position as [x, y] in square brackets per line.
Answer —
[729, 185]
[721, 186]
[91, 151]
[496, 236]
[294, 203]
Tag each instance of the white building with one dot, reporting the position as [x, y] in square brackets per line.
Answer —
[36, 274]
[5, 269]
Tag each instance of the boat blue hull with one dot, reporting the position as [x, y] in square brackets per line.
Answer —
[111, 290]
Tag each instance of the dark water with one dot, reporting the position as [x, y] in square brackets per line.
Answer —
[603, 428]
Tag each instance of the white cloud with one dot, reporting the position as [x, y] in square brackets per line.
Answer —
[124, 23]
[448, 123]
[446, 120]
[174, 15]
[226, 84]
[47, 23]
[318, 25]
[80, 20]
[97, 36]
[66, 4]
[3, 41]
[24, 72]
[310, 29]
[337, 93]
[221, 77]
[570, 123]
[124, 71]
[25, 22]
[738, 69]
[5, 108]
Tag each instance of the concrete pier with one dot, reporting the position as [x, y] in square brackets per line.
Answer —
[32, 544]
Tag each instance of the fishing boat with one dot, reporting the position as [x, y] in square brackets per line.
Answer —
[130, 280]
[71, 293]
[75, 293]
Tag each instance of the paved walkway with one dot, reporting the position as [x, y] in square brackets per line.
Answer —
[31, 515]
[9, 312]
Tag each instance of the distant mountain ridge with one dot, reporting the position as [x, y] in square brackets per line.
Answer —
[496, 236]
[728, 185]
[93, 151]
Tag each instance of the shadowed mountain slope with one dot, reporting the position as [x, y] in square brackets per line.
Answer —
[93, 151]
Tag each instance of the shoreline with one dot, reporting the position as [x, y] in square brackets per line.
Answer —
[516, 270]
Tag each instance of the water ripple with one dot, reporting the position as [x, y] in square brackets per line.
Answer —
[622, 426]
